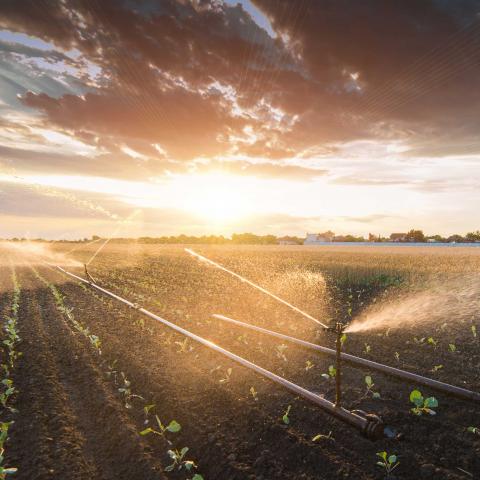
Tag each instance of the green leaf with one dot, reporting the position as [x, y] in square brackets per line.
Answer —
[376, 395]
[169, 468]
[416, 398]
[146, 431]
[183, 451]
[392, 459]
[197, 476]
[368, 380]
[382, 455]
[285, 419]
[174, 427]
[431, 402]
[189, 464]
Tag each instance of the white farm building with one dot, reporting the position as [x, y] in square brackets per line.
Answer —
[318, 238]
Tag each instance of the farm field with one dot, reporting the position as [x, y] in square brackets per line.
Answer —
[92, 374]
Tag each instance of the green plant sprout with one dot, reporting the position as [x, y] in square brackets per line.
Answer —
[178, 461]
[423, 405]
[308, 365]
[197, 476]
[280, 350]
[183, 346]
[127, 392]
[397, 356]
[4, 471]
[285, 418]
[254, 393]
[474, 430]
[452, 347]
[321, 436]
[474, 331]
[8, 391]
[172, 427]
[146, 412]
[433, 342]
[370, 385]
[111, 372]
[367, 349]
[436, 368]
[332, 373]
[343, 339]
[389, 462]
[228, 374]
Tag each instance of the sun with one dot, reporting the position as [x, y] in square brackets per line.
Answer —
[216, 197]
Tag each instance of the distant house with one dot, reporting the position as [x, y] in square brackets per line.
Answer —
[398, 237]
[287, 241]
[318, 238]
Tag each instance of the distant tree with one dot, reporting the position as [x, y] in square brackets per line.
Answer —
[473, 236]
[456, 238]
[415, 236]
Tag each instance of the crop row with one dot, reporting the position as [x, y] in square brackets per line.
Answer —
[152, 424]
[9, 355]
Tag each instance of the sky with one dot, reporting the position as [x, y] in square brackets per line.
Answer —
[144, 118]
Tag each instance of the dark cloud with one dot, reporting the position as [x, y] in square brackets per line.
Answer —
[175, 73]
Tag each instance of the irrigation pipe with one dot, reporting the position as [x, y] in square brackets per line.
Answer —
[370, 425]
[395, 372]
[254, 285]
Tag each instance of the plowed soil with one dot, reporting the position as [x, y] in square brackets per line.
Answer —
[72, 422]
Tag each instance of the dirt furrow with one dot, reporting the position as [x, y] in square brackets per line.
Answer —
[80, 428]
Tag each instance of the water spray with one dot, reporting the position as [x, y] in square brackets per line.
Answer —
[254, 285]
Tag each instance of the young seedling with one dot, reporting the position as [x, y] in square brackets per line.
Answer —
[146, 412]
[4, 426]
[321, 436]
[388, 462]
[397, 356]
[285, 418]
[228, 374]
[178, 461]
[474, 430]
[197, 476]
[452, 347]
[280, 350]
[422, 405]
[127, 392]
[367, 349]
[436, 368]
[332, 372]
[433, 342]
[474, 331]
[111, 372]
[183, 346]
[370, 385]
[254, 393]
[308, 365]
[172, 427]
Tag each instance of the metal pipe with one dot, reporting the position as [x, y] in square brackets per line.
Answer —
[395, 372]
[370, 425]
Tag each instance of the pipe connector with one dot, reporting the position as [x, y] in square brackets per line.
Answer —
[375, 428]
